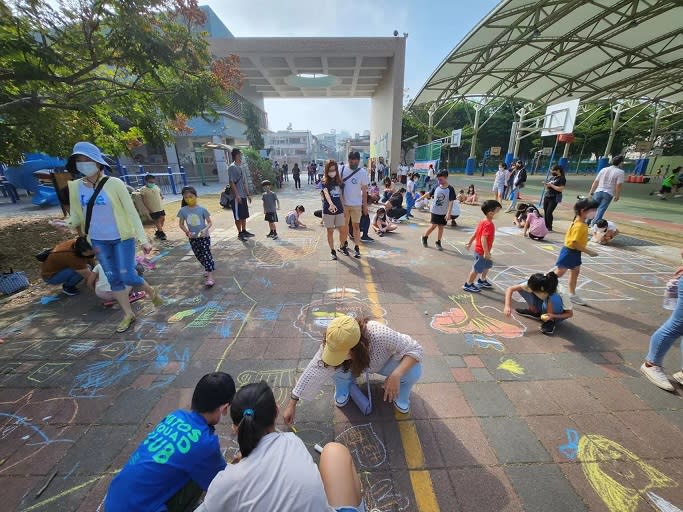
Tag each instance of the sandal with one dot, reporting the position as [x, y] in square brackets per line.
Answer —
[125, 323]
[157, 300]
[210, 283]
[136, 296]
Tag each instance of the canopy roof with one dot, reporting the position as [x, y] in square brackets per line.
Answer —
[548, 51]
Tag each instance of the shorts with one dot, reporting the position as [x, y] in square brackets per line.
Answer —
[498, 188]
[439, 220]
[663, 190]
[271, 217]
[333, 221]
[240, 210]
[568, 258]
[359, 508]
[157, 215]
[480, 263]
[352, 212]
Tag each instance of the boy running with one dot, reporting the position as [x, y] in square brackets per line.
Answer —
[443, 196]
[483, 242]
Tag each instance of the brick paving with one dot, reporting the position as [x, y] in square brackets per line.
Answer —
[527, 422]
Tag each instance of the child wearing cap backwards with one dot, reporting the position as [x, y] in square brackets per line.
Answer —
[274, 471]
[270, 206]
[351, 346]
[178, 459]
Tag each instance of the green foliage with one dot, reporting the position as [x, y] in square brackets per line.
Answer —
[259, 168]
[253, 132]
[112, 72]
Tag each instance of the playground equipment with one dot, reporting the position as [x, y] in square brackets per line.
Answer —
[35, 176]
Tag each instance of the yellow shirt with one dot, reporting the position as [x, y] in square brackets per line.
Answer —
[577, 235]
[152, 198]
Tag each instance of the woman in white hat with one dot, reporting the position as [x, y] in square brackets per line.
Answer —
[114, 225]
[349, 347]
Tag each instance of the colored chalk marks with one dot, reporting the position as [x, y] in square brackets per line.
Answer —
[616, 474]
[511, 366]
[467, 317]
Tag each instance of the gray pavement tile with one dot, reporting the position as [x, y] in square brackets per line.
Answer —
[435, 369]
[484, 489]
[543, 488]
[513, 441]
[482, 375]
[674, 417]
[487, 399]
[455, 362]
[581, 364]
[541, 366]
[131, 405]
[652, 395]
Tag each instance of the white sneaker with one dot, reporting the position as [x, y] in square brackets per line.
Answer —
[577, 299]
[678, 377]
[656, 375]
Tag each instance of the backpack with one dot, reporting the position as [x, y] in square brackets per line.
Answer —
[226, 200]
[43, 255]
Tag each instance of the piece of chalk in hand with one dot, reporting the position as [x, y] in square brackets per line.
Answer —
[318, 448]
[426, 313]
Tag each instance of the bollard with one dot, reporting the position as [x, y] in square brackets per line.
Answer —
[170, 176]
[183, 175]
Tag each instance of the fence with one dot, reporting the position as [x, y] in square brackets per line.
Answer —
[168, 181]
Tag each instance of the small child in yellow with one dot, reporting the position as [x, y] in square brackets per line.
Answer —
[576, 242]
[152, 198]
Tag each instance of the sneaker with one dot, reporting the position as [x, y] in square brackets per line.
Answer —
[528, 313]
[162, 235]
[548, 327]
[366, 238]
[483, 284]
[656, 375]
[677, 196]
[269, 234]
[247, 234]
[275, 237]
[341, 400]
[136, 296]
[70, 290]
[210, 283]
[472, 288]
[381, 234]
[356, 252]
[334, 255]
[678, 377]
[345, 249]
[402, 410]
[125, 323]
[577, 299]
[424, 241]
[157, 234]
[438, 245]
[242, 237]
[454, 224]
[108, 303]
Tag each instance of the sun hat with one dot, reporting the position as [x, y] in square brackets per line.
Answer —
[342, 335]
[265, 182]
[86, 149]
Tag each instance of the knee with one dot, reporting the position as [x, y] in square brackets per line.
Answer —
[336, 454]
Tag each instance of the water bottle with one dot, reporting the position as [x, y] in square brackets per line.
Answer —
[671, 295]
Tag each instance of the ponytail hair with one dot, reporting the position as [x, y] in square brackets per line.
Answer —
[546, 283]
[253, 411]
[584, 204]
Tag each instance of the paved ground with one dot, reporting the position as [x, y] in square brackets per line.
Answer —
[503, 419]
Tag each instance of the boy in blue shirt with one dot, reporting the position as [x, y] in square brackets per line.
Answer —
[176, 462]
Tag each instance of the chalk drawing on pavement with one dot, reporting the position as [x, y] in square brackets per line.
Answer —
[511, 366]
[466, 317]
[364, 444]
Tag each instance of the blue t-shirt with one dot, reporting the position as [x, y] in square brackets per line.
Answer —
[194, 217]
[335, 194]
[181, 448]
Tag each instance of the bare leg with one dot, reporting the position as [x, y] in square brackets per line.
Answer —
[439, 232]
[559, 271]
[430, 229]
[121, 298]
[573, 279]
[471, 277]
[339, 476]
[330, 238]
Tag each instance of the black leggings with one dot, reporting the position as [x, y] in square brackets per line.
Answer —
[297, 181]
[549, 205]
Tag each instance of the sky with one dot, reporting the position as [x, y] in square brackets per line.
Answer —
[434, 28]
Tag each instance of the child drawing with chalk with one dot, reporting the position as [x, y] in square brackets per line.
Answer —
[195, 222]
[179, 458]
[576, 242]
[275, 469]
[483, 242]
[547, 301]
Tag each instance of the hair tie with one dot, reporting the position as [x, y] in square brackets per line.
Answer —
[248, 412]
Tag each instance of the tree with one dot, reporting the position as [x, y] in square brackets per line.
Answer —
[113, 72]
[253, 131]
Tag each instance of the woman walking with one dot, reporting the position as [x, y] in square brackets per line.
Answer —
[101, 209]
[296, 174]
[553, 194]
[333, 209]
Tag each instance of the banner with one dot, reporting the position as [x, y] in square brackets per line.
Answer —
[425, 165]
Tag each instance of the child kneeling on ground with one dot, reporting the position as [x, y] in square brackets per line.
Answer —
[103, 288]
[604, 231]
[547, 301]
[292, 218]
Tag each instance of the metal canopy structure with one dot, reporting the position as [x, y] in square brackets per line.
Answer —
[350, 67]
[547, 51]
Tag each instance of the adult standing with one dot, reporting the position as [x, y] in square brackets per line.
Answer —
[68, 264]
[553, 194]
[410, 194]
[373, 170]
[607, 185]
[355, 197]
[285, 171]
[381, 170]
[352, 346]
[333, 209]
[662, 340]
[517, 180]
[240, 195]
[102, 210]
[296, 175]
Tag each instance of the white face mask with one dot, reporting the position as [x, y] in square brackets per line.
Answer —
[332, 174]
[89, 169]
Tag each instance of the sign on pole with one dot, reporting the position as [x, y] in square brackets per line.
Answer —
[643, 146]
[456, 136]
[547, 151]
[495, 150]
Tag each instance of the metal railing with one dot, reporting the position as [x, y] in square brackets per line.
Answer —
[168, 181]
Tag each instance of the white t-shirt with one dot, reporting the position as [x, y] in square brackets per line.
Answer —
[279, 475]
[608, 178]
[611, 226]
[102, 285]
[353, 195]
[431, 174]
[410, 186]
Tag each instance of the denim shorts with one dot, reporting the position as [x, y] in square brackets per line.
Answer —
[481, 263]
[568, 258]
[359, 508]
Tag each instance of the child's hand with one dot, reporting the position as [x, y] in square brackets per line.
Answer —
[468, 245]
[545, 317]
[507, 311]
[591, 252]
[487, 255]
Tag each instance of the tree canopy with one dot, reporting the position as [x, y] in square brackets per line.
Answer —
[117, 73]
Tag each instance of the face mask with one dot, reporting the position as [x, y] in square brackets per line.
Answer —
[191, 201]
[442, 182]
[353, 166]
[332, 174]
[88, 169]
[150, 185]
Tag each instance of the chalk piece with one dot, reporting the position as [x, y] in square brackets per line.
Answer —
[426, 313]
[318, 448]
[294, 429]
